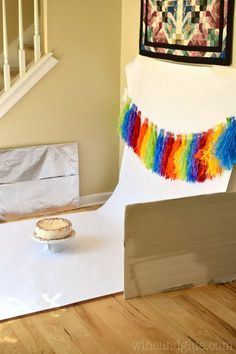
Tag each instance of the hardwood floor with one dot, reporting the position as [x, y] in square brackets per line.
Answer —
[195, 320]
[74, 211]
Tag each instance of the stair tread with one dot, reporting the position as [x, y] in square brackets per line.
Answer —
[12, 70]
[28, 47]
[15, 69]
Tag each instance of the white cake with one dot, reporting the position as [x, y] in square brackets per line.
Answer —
[53, 229]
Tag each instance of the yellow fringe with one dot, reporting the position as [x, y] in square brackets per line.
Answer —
[206, 155]
[145, 141]
[178, 157]
[214, 167]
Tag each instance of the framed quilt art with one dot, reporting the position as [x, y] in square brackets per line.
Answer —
[195, 31]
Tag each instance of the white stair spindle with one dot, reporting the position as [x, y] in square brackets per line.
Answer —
[37, 50]
[44, 28]
[6, 67]
[21, 40]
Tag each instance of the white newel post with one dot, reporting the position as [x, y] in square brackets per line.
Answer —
[37, 50]
[6, 67]
[21, 40]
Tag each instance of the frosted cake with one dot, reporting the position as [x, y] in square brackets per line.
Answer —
[53, 229]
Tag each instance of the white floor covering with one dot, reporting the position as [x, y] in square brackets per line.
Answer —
[91, 266]
[32, 280]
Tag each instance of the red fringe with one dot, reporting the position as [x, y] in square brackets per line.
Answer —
[166, 154]
[142, 134]
[170, 171]
[201, 166]
[136, 130]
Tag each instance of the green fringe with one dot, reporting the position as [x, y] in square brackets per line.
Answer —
[185, 157]
[150, 149]
[124, 110]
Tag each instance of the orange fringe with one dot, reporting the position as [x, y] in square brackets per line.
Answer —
[142, 134]
[171, 169]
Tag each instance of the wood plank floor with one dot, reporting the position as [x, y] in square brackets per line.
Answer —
[50, 215]
[195, 320]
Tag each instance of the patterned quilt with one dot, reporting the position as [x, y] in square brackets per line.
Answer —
[198, 31]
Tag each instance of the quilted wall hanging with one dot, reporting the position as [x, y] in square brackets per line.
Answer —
[195, 31]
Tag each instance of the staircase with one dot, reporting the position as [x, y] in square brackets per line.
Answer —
[14, 70]
[25, 59]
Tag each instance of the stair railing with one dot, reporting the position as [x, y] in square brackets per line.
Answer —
[21, 40]
[21, 51]
[37, 49]
[6, 66]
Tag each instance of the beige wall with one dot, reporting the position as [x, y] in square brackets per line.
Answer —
[79, 99]
[129, 35]
[130, 48]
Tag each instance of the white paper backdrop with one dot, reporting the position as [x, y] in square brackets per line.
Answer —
[181, 98]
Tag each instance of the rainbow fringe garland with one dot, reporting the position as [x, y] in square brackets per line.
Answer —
[194, 157]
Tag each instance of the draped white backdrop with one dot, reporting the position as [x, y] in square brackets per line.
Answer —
[177, 97]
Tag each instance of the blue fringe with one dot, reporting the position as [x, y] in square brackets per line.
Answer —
[131, 126]
[192, 170]
[225, 147]
[158, 151]
[125, 125]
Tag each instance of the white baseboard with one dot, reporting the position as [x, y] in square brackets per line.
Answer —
[93, 199]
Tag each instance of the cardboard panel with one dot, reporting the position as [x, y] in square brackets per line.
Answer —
[179, 243]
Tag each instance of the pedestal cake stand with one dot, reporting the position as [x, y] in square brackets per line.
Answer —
[54, 246]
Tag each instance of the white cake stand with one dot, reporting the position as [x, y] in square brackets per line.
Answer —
[54, 246]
